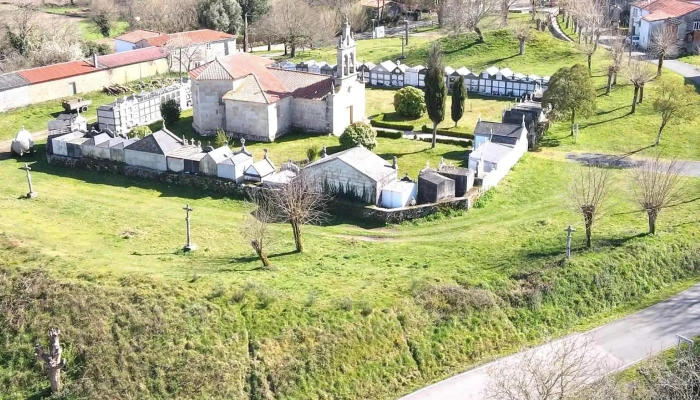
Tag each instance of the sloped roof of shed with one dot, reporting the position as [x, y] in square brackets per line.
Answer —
[360, 159]
[12, 80]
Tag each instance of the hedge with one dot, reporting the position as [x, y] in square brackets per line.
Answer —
[449, 141]
[380, 123]
[390, 134]
[443, 132]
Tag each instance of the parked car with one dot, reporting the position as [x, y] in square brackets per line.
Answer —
[23, 143]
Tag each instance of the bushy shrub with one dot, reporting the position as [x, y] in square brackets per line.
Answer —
[170, 111]
[361, 133]
[312, 153]
[409, 102]
[221, 139]
[90, 48]
[140, 131]
[390, 134]
[380, 122]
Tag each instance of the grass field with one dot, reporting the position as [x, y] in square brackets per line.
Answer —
[90, 31]
[366, 311]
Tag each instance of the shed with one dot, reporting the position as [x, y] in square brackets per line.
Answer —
[234, 167]
[92, 149]
[415, 76]
[185, 159]
[399, 194]
[213, 157]
[151, 151]
[463, 177]
[259, 170]
[59, 144]
[433, 187]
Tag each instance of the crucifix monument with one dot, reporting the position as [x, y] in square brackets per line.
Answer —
[32, 194]
[569, 230]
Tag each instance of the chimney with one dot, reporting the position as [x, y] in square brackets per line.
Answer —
[395, 164]
[94, 61]
[323, 152]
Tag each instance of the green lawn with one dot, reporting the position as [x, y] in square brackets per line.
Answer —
[693, 59]
[90, 31]
[350, 318]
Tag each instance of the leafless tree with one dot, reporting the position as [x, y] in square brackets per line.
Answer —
[639, 73]
[257, 227]
[617, 52]
[301, 202]
[593, 19]
[521, 31]
[299, 24]
[664, 43]
[167, 16]
[677, 379]
[183, 54]
[22, 26]
[657, 186]
[533, 8]
[466, 15]
[590, 187]
[588, 49]
[53, 362]
[560, 370]
[505, 10]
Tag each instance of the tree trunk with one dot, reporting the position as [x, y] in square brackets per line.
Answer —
[478, 32]
[661, 64]
[285, 49]
[589, 57]
[505, 14]
[522, 47]
[293, 50]
[269, 46]
[55, 379]
[296, 229]
[435, 127]
[568, 19]
[573, 120]
[615, 79]
[595, 44]
[641, 94]
[634, 101]
[589, 233]
[258, 247]
[661, 129]
[609, 86]
[652, 214]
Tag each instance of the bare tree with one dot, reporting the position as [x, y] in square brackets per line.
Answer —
[639, 73]
[505, 10]
[168, 16]
[617, 52]
[664, 43]
[677, 379]
[559, 370]
[467, 15]
[590, 186]
[183, 54]
[301, 202]
[299, 24]
[22, 26]
[657, 186]
[521, 32]
[588, 48]
[52, 360]
[257, 226]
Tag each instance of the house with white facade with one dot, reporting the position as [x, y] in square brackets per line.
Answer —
[646, 16]
[127, 41]
[497, 148]
[243, 95]
[151, 151]
[356, 173]
[191, 49]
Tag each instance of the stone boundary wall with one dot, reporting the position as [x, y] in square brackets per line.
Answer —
[231, 188]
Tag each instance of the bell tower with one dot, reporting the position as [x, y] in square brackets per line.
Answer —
[346, 65]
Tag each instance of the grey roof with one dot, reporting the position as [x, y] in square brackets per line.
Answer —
[516, 117]
[485, 128]
[123, 144]
[529, 105]
[12, 80]
[400, 187]
[260, 168]
[452, 170]
[432, 176]
[237, 159]
[491, 152]
[360, 159]
[98, 139]
[188, 153]
[112, 142]
[220, 154]
[159, 142]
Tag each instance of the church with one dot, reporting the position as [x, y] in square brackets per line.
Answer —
[245, 96]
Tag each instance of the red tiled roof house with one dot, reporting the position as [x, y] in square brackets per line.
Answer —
[649, 15]
[191, 49]
[243, 95]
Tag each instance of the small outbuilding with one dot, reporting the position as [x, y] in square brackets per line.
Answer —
[399, 194]
[433, 187]
[235, 166]
[59, 144]
[92, 148]
[185, 159]
[151, 151]
[212, 157]
[463, 177]
[259, 170]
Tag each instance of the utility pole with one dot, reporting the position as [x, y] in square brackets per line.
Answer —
[245, 32]
[403, 56]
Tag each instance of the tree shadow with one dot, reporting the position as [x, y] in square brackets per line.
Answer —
[616, 242]
[602, 122]
[42, 394]
[611, 111]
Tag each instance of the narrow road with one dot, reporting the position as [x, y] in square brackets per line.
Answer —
[691, 73]
[617, 345]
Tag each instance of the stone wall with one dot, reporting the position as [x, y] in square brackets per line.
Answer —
[310, 115]
[397, 215]
[248, 119]
[209, 112]
[339, 177]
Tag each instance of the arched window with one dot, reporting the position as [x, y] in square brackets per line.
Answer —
[352, 63]
[345, 65]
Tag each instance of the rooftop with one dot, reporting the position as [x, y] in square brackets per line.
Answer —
[362, 160]
[190, 37]
[485, 128]
[491, 152]
[663, 9]
[56, 71]
[159, 142]
[136, 35]
[131, 57]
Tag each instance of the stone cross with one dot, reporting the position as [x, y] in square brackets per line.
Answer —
[32, 194]
[569, 230]
[189, 246]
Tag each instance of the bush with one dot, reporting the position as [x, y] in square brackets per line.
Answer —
[444, 132]
[312, 153]
[170, 110]
[409, 102]
[361, 133]
[221, 139]
[390, 134]
[90, 48]
[140, 131]
[380, 123]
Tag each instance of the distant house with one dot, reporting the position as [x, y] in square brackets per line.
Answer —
[151, 151]
[646, 16]
[128, 40]
[356, 173]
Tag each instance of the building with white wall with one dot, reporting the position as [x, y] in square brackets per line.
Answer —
[646, 16]
[151, 151]
[127, 41]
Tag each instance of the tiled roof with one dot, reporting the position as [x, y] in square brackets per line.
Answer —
[136, 35]
[12, 80]
[497, 129]
[160, 142]
[199, 36]
[56, 71]
[304, 85]
[248, 90]
[131, 57]
[360, 159]
[663, 9]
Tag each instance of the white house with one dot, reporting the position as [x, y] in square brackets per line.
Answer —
[682, 16]
[151, 151]
[493, 158]
[235, 166]
[356, 173]
[399, 194]
[243, 95]
[127, 41]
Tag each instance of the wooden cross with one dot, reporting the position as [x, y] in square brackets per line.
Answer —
[189, 246]
[569, 230]
[32, 193]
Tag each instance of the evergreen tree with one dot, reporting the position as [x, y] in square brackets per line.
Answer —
[571, 93]
[435, 90]
[459, 95]
[254, 9]
[220, 15]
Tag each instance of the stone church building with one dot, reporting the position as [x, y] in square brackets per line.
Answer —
[243, 95]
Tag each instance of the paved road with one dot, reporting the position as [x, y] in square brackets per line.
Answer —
[615, 346]
[690, 72]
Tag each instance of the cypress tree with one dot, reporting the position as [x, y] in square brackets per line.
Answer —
[435, 90]
[459, 95]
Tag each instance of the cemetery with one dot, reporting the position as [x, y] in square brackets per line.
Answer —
[378, 309]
